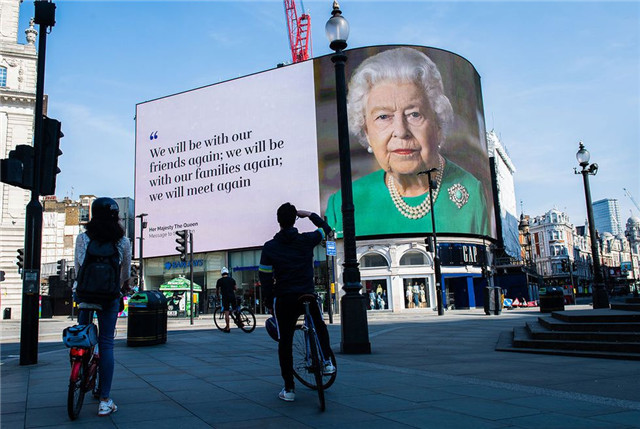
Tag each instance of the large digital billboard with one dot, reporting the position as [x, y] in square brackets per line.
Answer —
[411, 109]
[220, 159]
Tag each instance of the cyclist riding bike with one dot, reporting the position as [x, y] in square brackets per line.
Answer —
[286, 273]
[226, 288]
[104, 227]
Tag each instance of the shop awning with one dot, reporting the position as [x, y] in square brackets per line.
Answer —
[178, 284]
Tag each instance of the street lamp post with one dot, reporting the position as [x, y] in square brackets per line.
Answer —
[629, 235]
[599, 293]
[436, 254]
[143, 225]
[353, 315]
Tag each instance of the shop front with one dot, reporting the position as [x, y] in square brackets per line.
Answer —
[396, 276]
[206, 271]
[462, 275]
[399, 275]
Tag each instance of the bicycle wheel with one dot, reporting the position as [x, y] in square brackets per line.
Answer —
[96, 386]
[316, 367]
[93, 377]
[218, 318]
[75, 395]
[302, 369]
[246, 320]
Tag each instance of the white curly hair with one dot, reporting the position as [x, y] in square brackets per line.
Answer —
[399, 65]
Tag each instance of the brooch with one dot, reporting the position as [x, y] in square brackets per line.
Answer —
[459, 195]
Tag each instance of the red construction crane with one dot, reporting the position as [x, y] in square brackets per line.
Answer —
[299, 32]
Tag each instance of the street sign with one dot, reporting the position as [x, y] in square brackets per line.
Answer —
[331, 248]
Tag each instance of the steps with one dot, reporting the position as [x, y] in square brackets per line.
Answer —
[603, 333]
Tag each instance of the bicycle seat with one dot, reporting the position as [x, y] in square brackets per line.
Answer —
[307, 297]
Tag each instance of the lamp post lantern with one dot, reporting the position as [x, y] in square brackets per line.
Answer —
[599, 293]
[143, 225]
[353, 314]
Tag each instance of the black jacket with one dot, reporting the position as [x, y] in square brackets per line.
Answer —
[286, 264]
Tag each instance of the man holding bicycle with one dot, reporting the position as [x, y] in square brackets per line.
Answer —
[286, 273]
[226, 289]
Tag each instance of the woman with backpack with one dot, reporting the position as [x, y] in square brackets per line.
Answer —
[103, 232]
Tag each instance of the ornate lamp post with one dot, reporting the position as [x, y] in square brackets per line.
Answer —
[599, 293]
[353, 315]
[143, 225]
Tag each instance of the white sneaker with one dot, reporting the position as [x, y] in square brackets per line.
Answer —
[107, 407]
[328, 368]
[286, 395]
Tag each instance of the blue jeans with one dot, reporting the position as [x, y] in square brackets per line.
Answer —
[287, 309]
[107, 319]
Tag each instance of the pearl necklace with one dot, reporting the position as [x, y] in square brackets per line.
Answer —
[418, 211]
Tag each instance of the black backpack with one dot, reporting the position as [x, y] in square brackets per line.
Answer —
[99, 276]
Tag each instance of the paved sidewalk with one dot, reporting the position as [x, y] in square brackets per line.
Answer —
[424, 371]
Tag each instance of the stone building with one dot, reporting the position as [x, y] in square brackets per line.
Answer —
[553, 239]
[18, 60]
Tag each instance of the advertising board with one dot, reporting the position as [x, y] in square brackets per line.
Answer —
[219, 160]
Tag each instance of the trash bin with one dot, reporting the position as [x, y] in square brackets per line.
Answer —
[6, 314]
[552, 300]
[492, 300]
[147, 320]
[46, 308]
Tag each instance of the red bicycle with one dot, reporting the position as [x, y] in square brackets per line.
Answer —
[85, 361]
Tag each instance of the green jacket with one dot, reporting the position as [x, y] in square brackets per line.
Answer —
[376, 214]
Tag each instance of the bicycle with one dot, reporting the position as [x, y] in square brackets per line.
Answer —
[85, 361]
[243, 317]
[308, 358]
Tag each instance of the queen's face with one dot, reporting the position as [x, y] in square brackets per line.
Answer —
[401, 128]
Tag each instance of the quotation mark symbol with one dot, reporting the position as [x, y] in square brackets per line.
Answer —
[153, 135]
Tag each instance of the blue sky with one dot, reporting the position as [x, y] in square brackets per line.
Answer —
[553, 73]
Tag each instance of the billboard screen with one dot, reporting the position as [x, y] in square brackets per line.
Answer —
[219, 160]
[410, 109]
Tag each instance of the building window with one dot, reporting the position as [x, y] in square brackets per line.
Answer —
[3, 77]
[413, 258]
[416, 294]
[376, 291]
[371, 260]
[84, 214]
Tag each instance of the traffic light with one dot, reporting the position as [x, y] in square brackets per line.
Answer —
[565, 268]
[17, 170]
[62, 269]
[574, 266]
[20, 261]
[50, 151]
[183, 235]
[135, 273]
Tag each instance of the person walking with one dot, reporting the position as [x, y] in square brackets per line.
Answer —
[226, 290]
[286, 273]
[104, 227]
